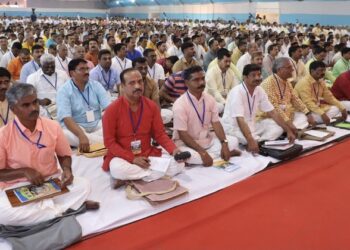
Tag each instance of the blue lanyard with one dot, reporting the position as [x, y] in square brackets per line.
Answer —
[223, 77]
[34, 65]
[199, 117]
[4, 120]
[82, 95]
[251, 107]
[59, 60]
[135, 128]
[121, 64]
[54, 86]
[109, 77]
[37, 144]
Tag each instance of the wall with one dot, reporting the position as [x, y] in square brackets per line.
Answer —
[79, 4]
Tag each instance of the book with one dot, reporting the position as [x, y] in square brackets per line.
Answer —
[22, 195]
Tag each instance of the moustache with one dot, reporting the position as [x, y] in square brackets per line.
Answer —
[201, 87]
[3, 90]
[34, 113]
[137, 90]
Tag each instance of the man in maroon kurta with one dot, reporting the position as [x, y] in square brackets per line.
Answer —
[129, 124]
[341, 89]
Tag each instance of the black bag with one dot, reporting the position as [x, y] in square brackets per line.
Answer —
[287, 154]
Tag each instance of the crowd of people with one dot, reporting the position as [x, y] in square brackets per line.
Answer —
[220, 87]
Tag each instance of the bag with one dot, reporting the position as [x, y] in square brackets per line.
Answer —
[156, 191]
[289, 153]
[96, 150]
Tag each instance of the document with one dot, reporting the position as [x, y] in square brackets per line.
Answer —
[316, 133]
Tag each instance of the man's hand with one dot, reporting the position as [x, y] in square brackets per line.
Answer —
[325, 119]
[33, 176]
[142, 162]
[291, 126]
[344, 114]
[225, 152]
[67, 177]
[84, 144]
[253, 146]
[311, 120]
[45, 102]
[291, 136]
[206, 158]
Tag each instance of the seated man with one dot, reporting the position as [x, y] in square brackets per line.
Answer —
[6, 114]
[80, 103]
[187, 60]
[243, 102]
[129, 124]
[220, 79]
[341, 89]
[195, 112]
[313, 91]
[16, 64]
[40, 141]
[47, 81]
[34, 65]
[342, 64]
[172, 89]
[284, 98]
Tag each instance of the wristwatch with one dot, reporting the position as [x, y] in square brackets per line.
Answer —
[224, 141]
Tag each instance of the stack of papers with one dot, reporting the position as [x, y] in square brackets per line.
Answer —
[316, 133]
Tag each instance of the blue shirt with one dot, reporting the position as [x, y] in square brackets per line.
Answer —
[133, 55]
[27, 69]
[71, 102]
[107, 79]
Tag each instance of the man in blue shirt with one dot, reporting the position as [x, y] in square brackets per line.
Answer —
[32, 66]
[80, 103]
[103, 73]
[132, 53]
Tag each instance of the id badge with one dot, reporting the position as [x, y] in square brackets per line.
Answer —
[90, 116]
[136, 147]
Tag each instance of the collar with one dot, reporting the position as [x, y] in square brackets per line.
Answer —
[102, 70]
[279, 79]
[38, 126]
[123, 60]
[194, 99]
[60, 58]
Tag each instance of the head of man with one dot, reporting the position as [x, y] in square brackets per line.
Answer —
[177, 42]
[252, 47]
[5, 82]
[16, 48]
[283, 68]
[295, 52]
[47, 62]
[93, 45]
[195, 80]
[170, 61]
[252, 75]
[319, 53]
[30, 39]
[62, 51]
[317, 70]
[71, 39]
[150, 56]
[105, 59]
[154, 38]
[120, 50]
[79, 71]
[130, 43]
[111, 41]
[37, 52]
[23, 102]
[79, 52]
[141, 65]
[242, 45]
[24, 56]
[143, 42]
[196, 39]
[257, 58]
[132, 83]
[273, 50]
[345, 52]
[224, 59]
[161, 46]
[188, 50]
[3, 43]
[213, 45]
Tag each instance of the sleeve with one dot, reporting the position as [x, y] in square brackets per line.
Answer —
[109, 124]
[63, 104]
[265, 104]
[94, 76]
[3, 152]
[180, 119]
[176, 67]
[336, 71]
[329, 76]
[273, 98]
[155, 93]
[329, 98]
[212, 86]
[62, 145]
[161, 74]
[24, 75]
[296, 102]
[11, 68]
[237, 104]
[102, 95]
[31, 80]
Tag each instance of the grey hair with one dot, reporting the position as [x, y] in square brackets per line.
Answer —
[47, 58]
[18, 91]
[279, 63]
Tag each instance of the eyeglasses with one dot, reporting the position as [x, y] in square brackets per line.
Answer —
[82, 69]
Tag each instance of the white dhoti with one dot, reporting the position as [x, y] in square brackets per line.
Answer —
[346, 104]
[331, 113]
[123, 170]
[44, 210]
[95, 135]
[214, 150]
[167, 115]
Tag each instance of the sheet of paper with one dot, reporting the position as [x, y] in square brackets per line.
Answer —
[348, 118]
[159, 164]
[316, 133]
[279, 147]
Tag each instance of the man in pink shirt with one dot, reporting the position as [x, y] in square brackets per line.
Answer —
[29, 149]
[195, 113]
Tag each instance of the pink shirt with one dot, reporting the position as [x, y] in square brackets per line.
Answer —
[187, 119]
[18, 152]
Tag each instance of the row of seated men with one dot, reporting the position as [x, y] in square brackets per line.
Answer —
[254, 112]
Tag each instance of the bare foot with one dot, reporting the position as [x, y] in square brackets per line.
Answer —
[92, 205]
[117, 183]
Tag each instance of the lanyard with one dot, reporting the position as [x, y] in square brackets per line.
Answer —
[318, 90]
[87, 101]
[251, 106]
[62, 66]
[121, 64]
[223, 77]
[154, 72]
[37, 144]
[279, 88]
[34, 65]
[135, 128]
[199, 117]
[54, 86]
[4, 120]
[109, 77]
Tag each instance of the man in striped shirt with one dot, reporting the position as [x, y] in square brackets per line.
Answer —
[173, 88]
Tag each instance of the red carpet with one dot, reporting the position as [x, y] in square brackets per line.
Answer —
[303, 204]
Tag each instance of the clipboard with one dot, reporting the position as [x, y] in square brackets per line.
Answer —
[24, 195]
